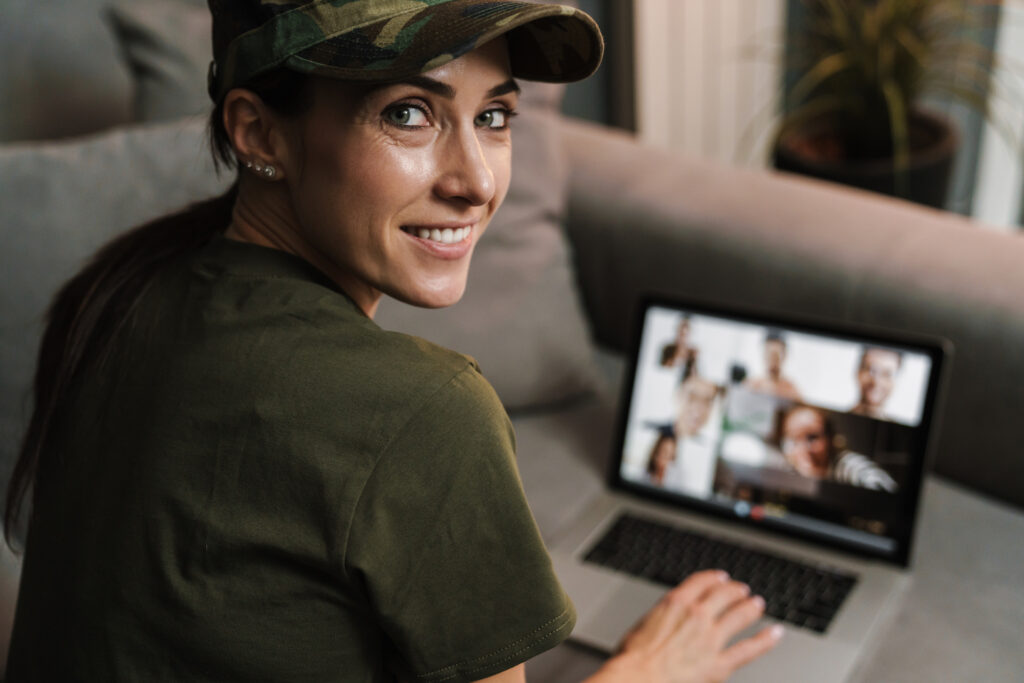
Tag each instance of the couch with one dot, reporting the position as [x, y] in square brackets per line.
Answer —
[594, 219]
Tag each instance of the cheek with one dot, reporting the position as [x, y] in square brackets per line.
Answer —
[362, 185]
[391, 169]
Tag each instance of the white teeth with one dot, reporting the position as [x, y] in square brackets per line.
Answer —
[446, 236]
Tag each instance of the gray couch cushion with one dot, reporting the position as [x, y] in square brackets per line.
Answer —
[167, 47]
[62, 74]
[58, 203]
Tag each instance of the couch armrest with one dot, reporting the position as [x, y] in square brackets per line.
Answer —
[643, 220]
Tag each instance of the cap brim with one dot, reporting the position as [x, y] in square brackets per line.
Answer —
[549, 43]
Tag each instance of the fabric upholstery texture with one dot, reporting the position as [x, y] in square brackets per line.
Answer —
[167, 47]
[62, 74]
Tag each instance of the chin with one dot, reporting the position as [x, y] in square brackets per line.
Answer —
[435, 298]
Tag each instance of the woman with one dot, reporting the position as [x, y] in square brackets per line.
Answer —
[663, 454]
[235, 474]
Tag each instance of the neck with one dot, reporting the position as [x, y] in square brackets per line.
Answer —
[263, 215]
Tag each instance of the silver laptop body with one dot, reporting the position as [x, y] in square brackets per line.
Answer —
[741, 425]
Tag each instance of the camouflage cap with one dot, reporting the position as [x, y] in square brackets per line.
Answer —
[383, 40]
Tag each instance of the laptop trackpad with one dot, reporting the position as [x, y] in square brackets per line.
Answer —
[622, 610]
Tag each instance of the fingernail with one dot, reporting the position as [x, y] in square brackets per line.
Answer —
[776, 631]
[759, 601]
[722, 576]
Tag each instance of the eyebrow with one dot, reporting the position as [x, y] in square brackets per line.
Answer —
[448, 92]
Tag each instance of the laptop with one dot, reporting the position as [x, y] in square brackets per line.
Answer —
[790, 453]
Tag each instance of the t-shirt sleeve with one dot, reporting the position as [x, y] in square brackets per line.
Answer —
[446, 548]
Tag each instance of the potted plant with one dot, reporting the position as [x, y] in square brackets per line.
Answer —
[854, 114]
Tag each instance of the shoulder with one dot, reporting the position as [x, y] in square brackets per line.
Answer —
[284, 312]
[391, 383]
[269, 331]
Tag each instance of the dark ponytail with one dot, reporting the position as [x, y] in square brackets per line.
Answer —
[98, 302]
[89, 311]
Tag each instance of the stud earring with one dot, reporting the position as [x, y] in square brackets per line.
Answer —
[269, 172]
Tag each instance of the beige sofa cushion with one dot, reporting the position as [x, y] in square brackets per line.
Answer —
[62, 74]
[167, 47]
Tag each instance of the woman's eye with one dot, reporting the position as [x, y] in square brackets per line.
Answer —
[493, 118]
[406, 115]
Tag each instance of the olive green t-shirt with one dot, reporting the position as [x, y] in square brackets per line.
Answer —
[261, 484]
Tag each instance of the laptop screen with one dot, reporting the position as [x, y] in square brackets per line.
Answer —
[803, 430]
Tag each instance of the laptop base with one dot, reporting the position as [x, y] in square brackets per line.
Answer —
[610, 602]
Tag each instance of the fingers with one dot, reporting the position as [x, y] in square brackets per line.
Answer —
[741, 615]
[696, 585]
[664, 618]
[722, 598]
[745, 651]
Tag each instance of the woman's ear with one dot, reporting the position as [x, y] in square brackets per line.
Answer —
[252, 128]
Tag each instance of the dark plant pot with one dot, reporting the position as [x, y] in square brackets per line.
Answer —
[926, 181]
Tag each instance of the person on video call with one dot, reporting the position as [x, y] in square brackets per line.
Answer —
[812, 447]
[663, 455]
[681, 456]
[876, 377]
[774, 358]
[679, 353]
[695, 398]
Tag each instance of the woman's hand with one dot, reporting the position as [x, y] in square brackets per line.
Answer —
[683, 638]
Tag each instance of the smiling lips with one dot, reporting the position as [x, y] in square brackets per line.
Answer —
[439, 235]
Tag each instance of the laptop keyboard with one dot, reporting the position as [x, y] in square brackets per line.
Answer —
[801, 594]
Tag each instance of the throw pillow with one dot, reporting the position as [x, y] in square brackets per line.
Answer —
[167, 46]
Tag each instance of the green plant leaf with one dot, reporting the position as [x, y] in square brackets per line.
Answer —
[827, 68]
[899, 127]
[865, 64]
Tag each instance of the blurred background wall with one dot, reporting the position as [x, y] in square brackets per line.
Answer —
[705, 77]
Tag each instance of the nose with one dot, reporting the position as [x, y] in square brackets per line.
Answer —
[466, 172]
